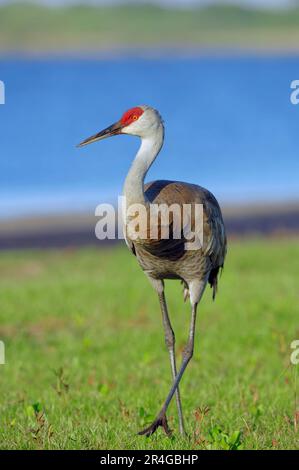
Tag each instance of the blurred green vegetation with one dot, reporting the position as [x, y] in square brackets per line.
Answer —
[86, 365]
[29, 27]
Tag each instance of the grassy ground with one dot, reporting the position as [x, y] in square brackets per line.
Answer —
[86, 366]
[37, 28]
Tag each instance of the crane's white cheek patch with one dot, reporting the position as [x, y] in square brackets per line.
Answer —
[131, 129]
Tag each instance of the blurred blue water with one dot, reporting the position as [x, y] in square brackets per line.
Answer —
[230, 127]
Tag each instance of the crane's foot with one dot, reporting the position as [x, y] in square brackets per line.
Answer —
[160, 421]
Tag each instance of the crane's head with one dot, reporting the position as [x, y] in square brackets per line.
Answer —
[141, 121]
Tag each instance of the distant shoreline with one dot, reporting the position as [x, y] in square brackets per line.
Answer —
[77, 229]
[150, 52]
[38, 29]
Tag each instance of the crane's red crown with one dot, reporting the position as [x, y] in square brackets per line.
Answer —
[131, 115]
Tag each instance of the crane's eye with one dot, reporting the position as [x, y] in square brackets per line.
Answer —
[135, 117]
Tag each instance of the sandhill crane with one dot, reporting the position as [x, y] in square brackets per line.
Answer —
[168, 258]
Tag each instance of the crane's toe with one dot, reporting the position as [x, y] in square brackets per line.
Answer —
[160, 421]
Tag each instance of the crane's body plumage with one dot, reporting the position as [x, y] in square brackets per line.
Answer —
[167, 258]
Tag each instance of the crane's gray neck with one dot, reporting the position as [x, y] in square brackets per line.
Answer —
[147, 153]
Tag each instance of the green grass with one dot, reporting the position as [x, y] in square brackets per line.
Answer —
[86, 365]
[29, 27]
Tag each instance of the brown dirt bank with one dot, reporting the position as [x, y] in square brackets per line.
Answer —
[72, 230]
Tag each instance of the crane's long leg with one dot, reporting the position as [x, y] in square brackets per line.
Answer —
[196, 291]
[170, 343]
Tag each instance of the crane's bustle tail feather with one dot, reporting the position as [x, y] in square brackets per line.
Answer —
[213, 280]
[186, 292]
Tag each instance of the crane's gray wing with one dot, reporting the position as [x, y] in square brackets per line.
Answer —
[174, 192]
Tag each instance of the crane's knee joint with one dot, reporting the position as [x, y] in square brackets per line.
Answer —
[188, 353]
[170, 340]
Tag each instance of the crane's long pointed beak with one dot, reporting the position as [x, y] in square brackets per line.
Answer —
[115, 129]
